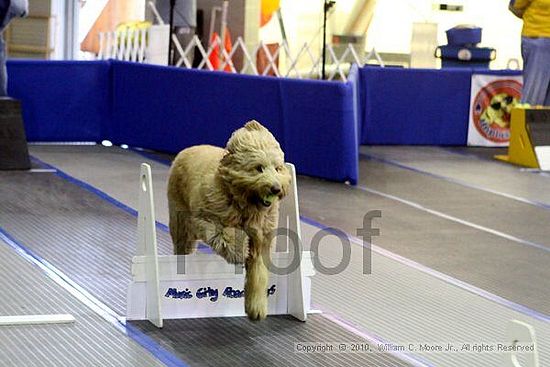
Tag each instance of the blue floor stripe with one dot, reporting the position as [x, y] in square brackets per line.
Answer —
[447, 278]
[146, 154]
[93, 303]
[451, 218]
[371, 157]
[201, 247]
[535, 171]
[95, 191]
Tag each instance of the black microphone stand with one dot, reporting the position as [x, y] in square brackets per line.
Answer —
[326, 7]
[170, 43]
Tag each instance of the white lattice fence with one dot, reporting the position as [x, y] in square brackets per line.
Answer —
[128, 45]
[306, 63]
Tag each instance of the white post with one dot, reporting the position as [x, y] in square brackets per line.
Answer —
[100, 54]
[297, 306]
[157, 46]
[519, 332]
[153, 42]
[147, 245]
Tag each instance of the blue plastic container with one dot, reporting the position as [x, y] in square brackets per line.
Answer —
[465, 53]
[462, 36]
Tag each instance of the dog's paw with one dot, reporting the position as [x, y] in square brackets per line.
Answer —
[256, 308]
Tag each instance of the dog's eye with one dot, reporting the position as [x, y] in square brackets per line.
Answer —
[509, 99]
[279, 168]
[496, 106]
[260, 168]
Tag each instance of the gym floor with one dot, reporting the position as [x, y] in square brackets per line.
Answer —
[463, 249]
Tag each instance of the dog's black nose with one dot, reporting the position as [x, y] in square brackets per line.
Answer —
[275, 189]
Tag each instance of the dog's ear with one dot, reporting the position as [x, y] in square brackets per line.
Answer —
[254, 125]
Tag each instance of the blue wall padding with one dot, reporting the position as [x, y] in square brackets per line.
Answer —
[169, 109]
[319, 121]
[417, 106]
[413, 106]
[62, 100]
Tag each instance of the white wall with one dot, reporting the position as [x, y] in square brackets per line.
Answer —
[391, 28]
[303, 21]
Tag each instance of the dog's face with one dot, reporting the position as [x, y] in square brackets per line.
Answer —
[254, 166]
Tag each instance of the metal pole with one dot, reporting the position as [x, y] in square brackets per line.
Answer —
[282, 25]
[327, 5]
[170, 43]
[225, 10]
[325, 9]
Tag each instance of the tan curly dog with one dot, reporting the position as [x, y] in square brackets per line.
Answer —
[229, 199]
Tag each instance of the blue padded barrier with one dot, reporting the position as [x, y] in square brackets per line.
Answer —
[317, 122]
[62, 100]
[321, 128]
[414, 106]
[168, 109]
[417, 106]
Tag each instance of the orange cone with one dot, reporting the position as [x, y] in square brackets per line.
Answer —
[228, 46]
[215, 56]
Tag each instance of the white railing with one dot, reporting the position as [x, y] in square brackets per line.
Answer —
[131, 45]
[128, 45]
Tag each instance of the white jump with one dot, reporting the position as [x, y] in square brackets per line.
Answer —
[209, 286]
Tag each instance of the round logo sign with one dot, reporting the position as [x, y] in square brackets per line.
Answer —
[492, 108]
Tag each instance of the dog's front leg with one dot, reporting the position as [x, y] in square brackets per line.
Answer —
[257, 276]
[230, 243]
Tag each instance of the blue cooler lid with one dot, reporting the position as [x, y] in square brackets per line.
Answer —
[464, 35]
